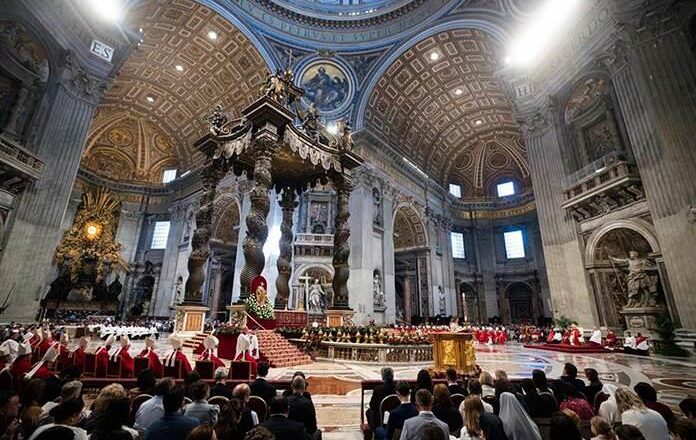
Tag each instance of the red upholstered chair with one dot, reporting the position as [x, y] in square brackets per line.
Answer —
[457, 400]
[113, 368]
[205, 369]
[240, 370]
[218, 400]
[257, 404]
[90, 366]
[135, 404]
[141, 363]
[175, 371]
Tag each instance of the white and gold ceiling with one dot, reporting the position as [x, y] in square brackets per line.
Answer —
[448, 113]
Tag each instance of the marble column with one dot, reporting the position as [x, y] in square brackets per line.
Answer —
[361, 241]
[653, 73]
[288, 205]
[562, 246]
[164, 296]
[341, 251]
[70, 99]
[215, 287]
[257, 229]
[389, 194]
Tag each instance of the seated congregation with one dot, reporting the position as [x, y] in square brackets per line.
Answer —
[493, 407]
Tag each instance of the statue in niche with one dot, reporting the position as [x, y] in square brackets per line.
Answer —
[316, 298]
[114, 290]
[377, 215]
[377, 293]
[443, 301]
[641, 280]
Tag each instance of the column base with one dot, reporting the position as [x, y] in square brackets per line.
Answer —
[643, 320]
[189, 319]
[339, 317]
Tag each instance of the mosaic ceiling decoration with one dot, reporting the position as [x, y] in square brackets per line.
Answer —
[441, 106]
[180, 72]
[124, 147]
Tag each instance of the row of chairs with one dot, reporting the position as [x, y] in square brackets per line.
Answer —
[239, 370]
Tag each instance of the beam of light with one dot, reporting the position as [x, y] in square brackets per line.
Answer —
[271, 248]
[545, 26]
[110, 10]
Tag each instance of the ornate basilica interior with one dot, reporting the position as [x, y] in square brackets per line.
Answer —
[490, 172]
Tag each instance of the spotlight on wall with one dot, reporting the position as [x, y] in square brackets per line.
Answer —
[458, 92]
[212, 35]
[434, 56]
[150, 99]
[478, 122]
[179, 68]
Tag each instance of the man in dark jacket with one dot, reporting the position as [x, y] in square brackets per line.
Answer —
[401, 413]
[279, 424]
[219, 388]
[260, 387]
[453, 385]
[378, 394]
[174, 425]
[301, 409]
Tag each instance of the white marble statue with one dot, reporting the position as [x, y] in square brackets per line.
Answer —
[377, 292]
[316, 298]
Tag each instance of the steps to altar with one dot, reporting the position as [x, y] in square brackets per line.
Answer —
[278, 351]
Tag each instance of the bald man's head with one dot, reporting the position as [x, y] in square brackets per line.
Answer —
[242, 392]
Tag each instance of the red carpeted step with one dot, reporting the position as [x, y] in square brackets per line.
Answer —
[279, 351]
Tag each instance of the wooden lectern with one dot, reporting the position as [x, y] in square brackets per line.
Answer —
[454, 350]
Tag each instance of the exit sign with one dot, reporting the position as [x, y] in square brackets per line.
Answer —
[102, 50]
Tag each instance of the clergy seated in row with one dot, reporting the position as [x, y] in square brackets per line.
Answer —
[176, 359]
[46, 366]
[22, 363]
[102, 357]
[154, 362]
[210, 343]
[76, 356]
[636, 345]
[246, 344]
[122, 358]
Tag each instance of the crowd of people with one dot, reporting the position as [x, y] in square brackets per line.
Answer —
[492, 407]
[53, 408]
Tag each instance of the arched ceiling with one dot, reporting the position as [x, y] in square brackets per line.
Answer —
[227, 70]
[449, 114]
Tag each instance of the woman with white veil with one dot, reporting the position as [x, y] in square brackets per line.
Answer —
[608, 409]
[516, 422]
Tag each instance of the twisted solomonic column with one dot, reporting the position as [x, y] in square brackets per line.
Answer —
[288, 204]
[201, 236]
[341, 243]
[257, 230]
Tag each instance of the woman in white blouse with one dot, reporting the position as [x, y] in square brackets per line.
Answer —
[633, 412]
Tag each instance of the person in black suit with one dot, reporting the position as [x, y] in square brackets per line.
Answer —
[260, 387]
[400, 414]
[279, 424]
[452, 384]
[219, 388]
[301, 409]
[378, 394]
[570, 375]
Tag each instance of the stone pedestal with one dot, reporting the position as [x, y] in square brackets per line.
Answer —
[189, 319]
[339, 318]
[643, 320]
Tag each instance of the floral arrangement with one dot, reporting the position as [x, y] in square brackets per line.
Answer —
[227, 330]
[260, 310]
[371, 334]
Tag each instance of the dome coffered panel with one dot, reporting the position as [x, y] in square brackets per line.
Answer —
[440, 100]
[125, 147]
[179, 73]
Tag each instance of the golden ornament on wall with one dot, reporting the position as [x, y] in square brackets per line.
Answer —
[92, 235]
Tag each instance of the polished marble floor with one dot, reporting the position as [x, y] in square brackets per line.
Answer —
[335, 386]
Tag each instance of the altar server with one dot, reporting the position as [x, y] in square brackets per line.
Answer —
[642, 346]
[102, 354]
[155, 363]
[122, 354]
[211, 343]
[243, 350]
[177, 354]
[629, 344]
[596, 337]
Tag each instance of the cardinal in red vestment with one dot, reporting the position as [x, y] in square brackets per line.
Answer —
[244, 348]
[77, 355]
[155, 364]
[46, 341]
[22, 363]
[34, 338]
[127, 361]
[176, 354]
[610, 340]
[42, 369]
[103, 356]
[210, 343]
[64, 352]
[575, 335]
